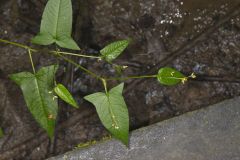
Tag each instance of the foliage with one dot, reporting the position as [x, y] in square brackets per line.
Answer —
[169, 76]
[56, 25]
[113, 50]
[37, 90]
[112, 111]
[65, 95]
[41, 91]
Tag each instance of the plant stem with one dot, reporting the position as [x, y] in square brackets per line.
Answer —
[132, 77]
[105, 85]
[31, 60]
[58, 54]
[77, 65]
[34, 50]
[15, 44]
[77, 55]
[138, 77]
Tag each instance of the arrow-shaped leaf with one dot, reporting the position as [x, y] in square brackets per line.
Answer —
[113, 50]
[56, 25]
[37, 90]
[112, 111]
[169, 76]
[65, 95]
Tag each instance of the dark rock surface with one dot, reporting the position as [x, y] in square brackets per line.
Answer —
[164, 34]
[206, 134]
[201, 37]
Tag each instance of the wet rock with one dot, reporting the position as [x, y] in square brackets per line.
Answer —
[207, 134]
[170, 24]
[158, 28]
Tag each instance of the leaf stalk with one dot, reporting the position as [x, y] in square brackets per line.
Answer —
[60, 55]
[31, 60]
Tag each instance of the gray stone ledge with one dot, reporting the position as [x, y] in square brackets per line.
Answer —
[212, 133]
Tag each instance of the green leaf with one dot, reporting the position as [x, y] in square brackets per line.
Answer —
[65, 95]
[112, 111]
[1, 133]
[56, 25]
[67, 42]
[37, 91]
[169, 76]
[113, 50]
[43, 39]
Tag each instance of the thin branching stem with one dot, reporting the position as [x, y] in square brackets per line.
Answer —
[31, 60]
[131, 77]
[56, 53]
[35, 50]
[77, 55]
[78, 65]
[105, 85]
[60, 55]
[14, 43]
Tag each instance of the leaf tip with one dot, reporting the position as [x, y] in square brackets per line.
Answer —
[170, 76]
[126, 141]
[68, 43]
[65, 95]
[42, 39]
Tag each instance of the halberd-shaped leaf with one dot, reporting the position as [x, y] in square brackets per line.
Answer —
[113, 112]
[37, 91]
[65, 95]
[113, 50]
[169, 76]
[56, 25]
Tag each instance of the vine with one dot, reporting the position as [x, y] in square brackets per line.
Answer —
[41, 91]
